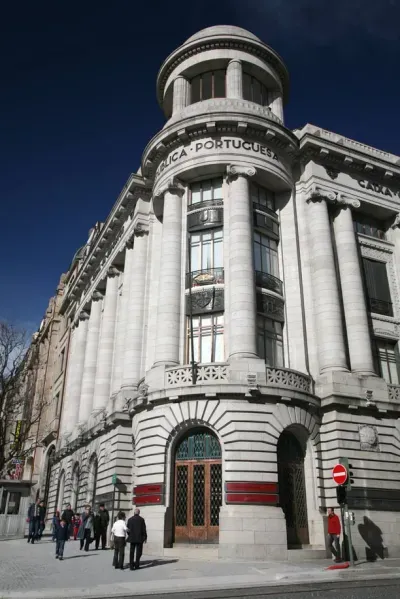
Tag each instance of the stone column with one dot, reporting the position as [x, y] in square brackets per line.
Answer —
[181, 94]
[242, 291]
[79, 356]
[276, 104]
[65, 416]
[234, 79]
[90, 361]
[170, 282]
[331, 347]
[135, 310]
[106, 344]
[355, 310]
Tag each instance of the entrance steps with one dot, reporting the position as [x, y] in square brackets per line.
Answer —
[307, 553]
[193, 551]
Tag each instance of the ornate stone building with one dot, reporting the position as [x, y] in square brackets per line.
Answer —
[272, 258]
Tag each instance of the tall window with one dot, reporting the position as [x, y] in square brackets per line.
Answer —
[377, 287]
[261, 197]
[208, 85]
[208, 338]
[265, 254]
[206, 250]
[254, 90]
[369, 226]
[270, 341]
[389, 361]
[204, 191]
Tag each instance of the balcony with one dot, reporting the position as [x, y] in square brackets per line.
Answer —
[207, 276]
[267, 281]
[206, 374]
[290, 379]
[380, 307]
[205, 205]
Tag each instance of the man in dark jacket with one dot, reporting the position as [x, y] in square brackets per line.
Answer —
[137, 535]
[101, 521]
[67, 516]
[36, 516]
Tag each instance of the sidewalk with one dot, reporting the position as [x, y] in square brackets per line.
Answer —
[32, 572]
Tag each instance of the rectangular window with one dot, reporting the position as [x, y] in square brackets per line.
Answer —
[389, 362]
[254, 90]
[261, 197]
[270, 341]
[204, 191]
[208, 85]
[208, 338]
[206, 250]
[265, 254]
[377, 287]
[369, 226]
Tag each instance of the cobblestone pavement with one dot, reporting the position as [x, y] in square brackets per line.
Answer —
[26, 569]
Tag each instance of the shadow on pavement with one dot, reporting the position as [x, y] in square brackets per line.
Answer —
[76, 556]
[145, 564]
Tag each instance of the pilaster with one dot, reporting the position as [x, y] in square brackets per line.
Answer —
[79, 356]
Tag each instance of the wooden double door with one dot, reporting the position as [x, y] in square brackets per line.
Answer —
[198, 489]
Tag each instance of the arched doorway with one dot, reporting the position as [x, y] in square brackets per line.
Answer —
[198, 488]
[292, 489]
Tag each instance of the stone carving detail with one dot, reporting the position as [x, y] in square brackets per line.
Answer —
[205, 218]
[369, 439]
[332, 173]
[271, 306]
[396, 222]
[207, 373]
[143, 392]
[394, 392]
[289, 378]
[173, 186]
[96, 296]
[207, 300]
[318, 193]
[234, 170]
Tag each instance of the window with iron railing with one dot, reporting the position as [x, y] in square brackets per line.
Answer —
[206, 256]
[206, 193]
[389, 361]
[377, 284]
[265, 254]
[262, 199]
[369, 226]
[270, 341]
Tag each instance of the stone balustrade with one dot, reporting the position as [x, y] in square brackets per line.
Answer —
[206, 374]
[394, 392]
[290, 379]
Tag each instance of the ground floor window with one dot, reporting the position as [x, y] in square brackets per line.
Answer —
[270, 341]
[389, 361]
[208, 338]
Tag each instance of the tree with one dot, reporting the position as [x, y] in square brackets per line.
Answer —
[21, 402]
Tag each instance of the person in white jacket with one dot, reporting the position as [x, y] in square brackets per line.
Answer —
[119, 531]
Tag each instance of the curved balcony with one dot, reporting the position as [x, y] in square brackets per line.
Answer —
[291, 379]
[206, 204]
[179, 376]
[207, 276]
[267, 281]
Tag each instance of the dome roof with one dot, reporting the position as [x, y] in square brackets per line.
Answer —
[217, 30]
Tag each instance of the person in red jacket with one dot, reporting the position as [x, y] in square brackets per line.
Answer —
[334, 530]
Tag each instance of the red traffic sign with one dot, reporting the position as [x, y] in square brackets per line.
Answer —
[339, 474]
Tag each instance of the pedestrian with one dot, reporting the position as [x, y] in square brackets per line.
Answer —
[334, 530]
[102, 520]
[55, 523]
[86, 529]
[119, 531]
[62, 536]
[36, 515]
[43, 521]
[137, 535]
[67, 515]
[76, 522]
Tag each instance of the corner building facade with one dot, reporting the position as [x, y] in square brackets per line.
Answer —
[270, 255]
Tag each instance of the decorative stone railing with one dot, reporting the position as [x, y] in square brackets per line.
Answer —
[206, 374]
[291, 379]
[394, 392]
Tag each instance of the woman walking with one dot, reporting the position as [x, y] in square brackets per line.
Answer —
[85, 532]
[119, 531]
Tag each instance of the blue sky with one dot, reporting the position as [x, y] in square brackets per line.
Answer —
[78, 106]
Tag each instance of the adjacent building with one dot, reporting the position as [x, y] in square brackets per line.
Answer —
[232, 328]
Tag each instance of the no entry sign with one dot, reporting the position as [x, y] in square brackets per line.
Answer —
[339, 474]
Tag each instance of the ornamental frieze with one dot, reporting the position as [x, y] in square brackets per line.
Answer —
[207, 300]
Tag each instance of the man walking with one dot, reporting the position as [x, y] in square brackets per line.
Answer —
[334, 530]
[137, 535]
[100, 526]
[36, 514]
[67, 516]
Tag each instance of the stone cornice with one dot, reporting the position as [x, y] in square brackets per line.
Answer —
[319, 192]
[221, 42]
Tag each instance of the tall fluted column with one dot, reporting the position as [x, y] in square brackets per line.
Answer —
[331, 347]
[119, 352]
[170, 282]
[355, 310]
[90, 361]
[242, 291]
[234, 79]
[181, 94]
[135, 310]
[106, 343]
[79, 356]
[65, 416]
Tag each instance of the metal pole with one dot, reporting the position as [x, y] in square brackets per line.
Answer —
[193, 363]
[344, 544]
[348, 526]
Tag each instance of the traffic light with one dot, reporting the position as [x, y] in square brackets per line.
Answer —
[341, 494]
[350, 480]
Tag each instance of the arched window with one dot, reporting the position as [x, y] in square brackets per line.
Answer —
[75, 487]
[92, 481]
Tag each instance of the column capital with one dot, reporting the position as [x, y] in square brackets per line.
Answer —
[83, 315]
[113, 272]
[396, 222]
[235, 170]
[140, 229]
[319, 193]
[96, 296]
[233, 60]
[173, 186]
